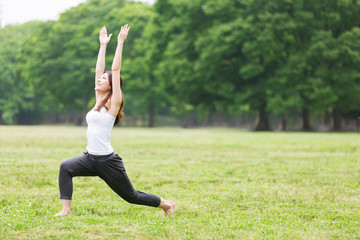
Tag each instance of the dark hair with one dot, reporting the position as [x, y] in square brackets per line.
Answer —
[120, 114]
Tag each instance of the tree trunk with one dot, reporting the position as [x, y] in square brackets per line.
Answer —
[151, 119]
[284, 125]
[263, 124]
[327, 118]
[194, 116]
[306, 119]
[143, 120]
[57, 117]
[336, 119]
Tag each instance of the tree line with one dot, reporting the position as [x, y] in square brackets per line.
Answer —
[189, 59]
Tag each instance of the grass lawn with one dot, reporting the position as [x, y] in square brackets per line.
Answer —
[227, 184]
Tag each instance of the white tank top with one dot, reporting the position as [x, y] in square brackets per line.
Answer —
[100, 124]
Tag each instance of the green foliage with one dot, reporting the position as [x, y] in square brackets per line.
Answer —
[138, 87]
[189, 58]
[16, 94]
[73, 60]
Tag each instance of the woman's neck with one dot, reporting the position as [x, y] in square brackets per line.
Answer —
[101, 94]
[101, 97]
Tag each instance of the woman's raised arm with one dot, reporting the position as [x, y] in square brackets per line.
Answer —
[116, 67]
[100, 63]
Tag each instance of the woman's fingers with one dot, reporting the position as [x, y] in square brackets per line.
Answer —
[103, 30]
[125, 28]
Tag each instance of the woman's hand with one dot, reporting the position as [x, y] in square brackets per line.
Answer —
[123, 33]
[103, 37]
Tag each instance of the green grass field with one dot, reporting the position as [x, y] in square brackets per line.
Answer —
[227, 184]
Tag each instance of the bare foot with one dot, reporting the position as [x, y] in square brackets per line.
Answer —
[168, 207]
[63, 213]
[65, 208]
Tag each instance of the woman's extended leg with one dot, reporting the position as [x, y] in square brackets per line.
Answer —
[77, 166]
[112, 171]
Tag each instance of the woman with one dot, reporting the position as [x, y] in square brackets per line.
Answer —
[100, 160]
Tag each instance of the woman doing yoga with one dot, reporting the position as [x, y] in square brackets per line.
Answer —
[100, 159]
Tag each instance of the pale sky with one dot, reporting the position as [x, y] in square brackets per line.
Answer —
[21, 11]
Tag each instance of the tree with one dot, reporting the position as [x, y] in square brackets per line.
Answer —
[15, 95]
[65, 60]
[142, 93]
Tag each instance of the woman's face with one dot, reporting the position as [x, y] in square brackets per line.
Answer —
[102, 83]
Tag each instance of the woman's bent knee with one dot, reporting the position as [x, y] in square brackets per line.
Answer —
[65, 167]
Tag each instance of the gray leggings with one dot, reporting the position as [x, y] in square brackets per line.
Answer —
[108, 167]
